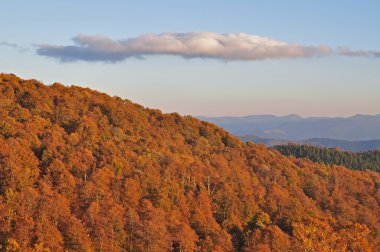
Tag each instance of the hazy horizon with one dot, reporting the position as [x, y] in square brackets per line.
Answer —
[292, 114]
[221, 114]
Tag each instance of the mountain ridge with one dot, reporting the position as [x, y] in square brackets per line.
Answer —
[291, 115]
[355, 146]
[354, 128]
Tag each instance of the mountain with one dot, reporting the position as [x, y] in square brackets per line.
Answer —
[355, 146]
[369, 160]
[267, 141]
[83, 171]
[295, 128]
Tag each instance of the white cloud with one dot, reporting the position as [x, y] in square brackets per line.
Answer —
[232, 46]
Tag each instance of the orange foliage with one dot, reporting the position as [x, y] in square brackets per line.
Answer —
[82, 171]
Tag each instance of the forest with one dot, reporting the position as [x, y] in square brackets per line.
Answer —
[368, 160]
[83, 171]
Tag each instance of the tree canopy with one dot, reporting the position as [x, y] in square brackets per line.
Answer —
[83, 171]
[368, 160]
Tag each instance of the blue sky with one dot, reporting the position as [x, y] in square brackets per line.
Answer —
[332, 85]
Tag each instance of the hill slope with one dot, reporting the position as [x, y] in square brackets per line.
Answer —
[82, 171]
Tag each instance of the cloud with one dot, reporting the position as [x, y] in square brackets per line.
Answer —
[231, 46]
[345, 51]
[4, 43]
[12, 45]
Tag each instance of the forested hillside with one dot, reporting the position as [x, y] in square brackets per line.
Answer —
[369, 160]
[83, 171]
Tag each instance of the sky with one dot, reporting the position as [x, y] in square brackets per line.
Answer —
[211, 58]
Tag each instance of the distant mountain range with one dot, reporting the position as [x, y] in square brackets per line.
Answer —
[356, 133]
[355, 146]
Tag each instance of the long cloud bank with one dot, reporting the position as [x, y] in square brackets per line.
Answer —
[231, 46]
